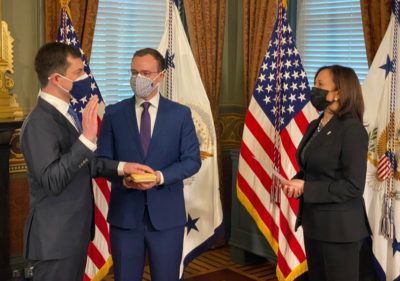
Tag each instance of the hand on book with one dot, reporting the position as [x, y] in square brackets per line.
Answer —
[136, 168]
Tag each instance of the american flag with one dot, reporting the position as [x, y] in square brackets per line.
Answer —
[99, 258]
[385, 166]
[277, 117]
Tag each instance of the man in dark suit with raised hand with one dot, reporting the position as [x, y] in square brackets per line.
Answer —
[155, 131]
[59, 152]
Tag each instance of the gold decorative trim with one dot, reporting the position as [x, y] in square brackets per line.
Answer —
[231, 132]
[17, 161]
[9, 108]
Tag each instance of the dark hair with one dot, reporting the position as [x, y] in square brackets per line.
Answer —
[52, 57]
[351, 101]
[154, 53]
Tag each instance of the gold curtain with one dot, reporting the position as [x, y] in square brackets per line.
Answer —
[206, 24]
[375, 17]
[258, 21]
[83, 13]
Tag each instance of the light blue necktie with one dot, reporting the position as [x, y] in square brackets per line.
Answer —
[74, 116]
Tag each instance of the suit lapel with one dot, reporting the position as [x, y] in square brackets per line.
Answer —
[159, 123]
[310, 131]
[321, 137]
[132, 125]
[58, 117]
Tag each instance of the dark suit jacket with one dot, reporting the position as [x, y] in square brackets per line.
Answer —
[334, 169]
[173, 150]
[60, 166]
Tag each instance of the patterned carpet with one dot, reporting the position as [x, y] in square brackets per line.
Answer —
[216, 265]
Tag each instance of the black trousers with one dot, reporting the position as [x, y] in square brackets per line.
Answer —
[67, 269]
[328, 261]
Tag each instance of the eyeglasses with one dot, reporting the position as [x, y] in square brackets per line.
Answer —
[143, 73]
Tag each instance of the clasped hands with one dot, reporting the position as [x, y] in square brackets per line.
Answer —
[293, 188]
[136, 168]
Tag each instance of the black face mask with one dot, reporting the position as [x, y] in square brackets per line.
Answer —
[318, 98]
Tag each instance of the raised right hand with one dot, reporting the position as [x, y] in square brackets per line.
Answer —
[89, 119]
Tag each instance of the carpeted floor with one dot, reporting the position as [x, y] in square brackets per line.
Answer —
[216, 265]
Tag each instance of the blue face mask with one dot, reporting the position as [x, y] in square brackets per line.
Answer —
[81, 87]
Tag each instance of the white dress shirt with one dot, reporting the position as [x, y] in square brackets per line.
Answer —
[62, 107]
[153, 108]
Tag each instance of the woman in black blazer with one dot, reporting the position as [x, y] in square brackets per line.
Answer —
[332, 157]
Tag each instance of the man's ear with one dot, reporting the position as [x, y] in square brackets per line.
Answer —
[53, 77]
[161, 75]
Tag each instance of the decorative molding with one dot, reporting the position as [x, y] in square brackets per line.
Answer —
[231, 125]
[17, 162]
[9, 108]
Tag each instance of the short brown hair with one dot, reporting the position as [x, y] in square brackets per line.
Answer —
[52, 57]
[351, 101]
[154, 53]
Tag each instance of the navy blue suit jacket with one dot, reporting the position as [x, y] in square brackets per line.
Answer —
[173, 150]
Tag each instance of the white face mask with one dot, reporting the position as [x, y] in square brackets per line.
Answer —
[143, 86]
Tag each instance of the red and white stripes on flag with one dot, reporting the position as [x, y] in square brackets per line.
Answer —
[385, 169]
[277, 118]
[99, 258]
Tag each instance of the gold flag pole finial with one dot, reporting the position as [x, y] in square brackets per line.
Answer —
[65, 4]
[285, 4]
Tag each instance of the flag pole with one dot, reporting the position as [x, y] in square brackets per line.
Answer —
[275, 189]
[169, 50]
[387, 221]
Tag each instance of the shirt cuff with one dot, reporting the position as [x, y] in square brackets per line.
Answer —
[121, 168]
[161, 178]
[92, 146]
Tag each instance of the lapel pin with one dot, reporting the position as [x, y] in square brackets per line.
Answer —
[328, 133]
